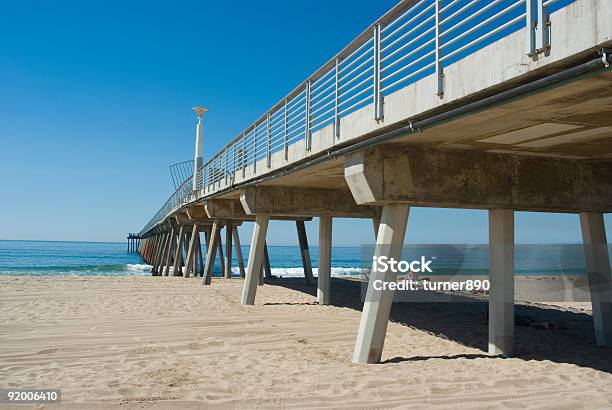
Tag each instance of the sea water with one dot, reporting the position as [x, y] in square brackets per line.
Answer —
[107, 259]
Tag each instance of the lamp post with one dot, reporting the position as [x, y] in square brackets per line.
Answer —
[199, 160]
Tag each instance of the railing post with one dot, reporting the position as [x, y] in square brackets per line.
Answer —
[378, 112]
[531, 24]
[439, 72]
[268, 153]
[233, 167]
[307, 125]
[243, 158]
[543, 35]
[337, 99]
[255, 149]
[226, 162]
[285, 129]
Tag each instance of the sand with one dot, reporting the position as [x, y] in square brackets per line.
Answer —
[159, 342]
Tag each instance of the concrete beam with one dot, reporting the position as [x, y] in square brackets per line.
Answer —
[301, 202]
[225, 209]
[196, 212]
[472, 179]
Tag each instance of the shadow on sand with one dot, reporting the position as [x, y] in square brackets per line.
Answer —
[466, 323]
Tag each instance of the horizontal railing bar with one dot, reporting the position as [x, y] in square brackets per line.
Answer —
[367, 97]
[482, 38]
[408, 76]
[407, 66]
[412, 30]
[483, 23]
[402, 16]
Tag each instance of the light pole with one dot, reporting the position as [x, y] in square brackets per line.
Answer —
[199, 160]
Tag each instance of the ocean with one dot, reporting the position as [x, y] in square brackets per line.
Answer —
[48, 258]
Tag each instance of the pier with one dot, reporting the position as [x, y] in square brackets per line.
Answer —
[133, 242]
[505, 108]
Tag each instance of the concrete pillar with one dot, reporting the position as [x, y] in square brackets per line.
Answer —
[238, 250]
[164, 254]
[170, 245]
[266, 262]
[598, 271]
[304, 251]
[377, 305]
[375, 225]
[200, 271]
[190, 259]
[501, 277]
[178, 255]
[228, 249]
[220, 250]
[325, 249]
[211, 253]
[256, 256]
[157, 267]
[156, 249]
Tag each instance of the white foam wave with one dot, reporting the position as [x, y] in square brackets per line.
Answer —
[299, 272]
[139, 267]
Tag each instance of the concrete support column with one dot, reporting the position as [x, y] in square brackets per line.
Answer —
[178, 255]
[211, 250]
[238, 250]
[220, 250]
[377, 305]
[157, 267]
[171, 243]
[256, 256]
[501, 276]
[154, 255]
[325, 248]
[304, 251]
[229, 227]
[190, 259]
[598, 271]
[200, 270]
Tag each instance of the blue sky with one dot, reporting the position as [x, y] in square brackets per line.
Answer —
[95, 102]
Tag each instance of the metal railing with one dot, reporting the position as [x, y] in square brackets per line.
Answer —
[414, 40]
[180, 172]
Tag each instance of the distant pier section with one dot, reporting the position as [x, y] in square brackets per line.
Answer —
[133, 242]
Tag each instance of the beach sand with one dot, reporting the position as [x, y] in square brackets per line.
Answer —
[162, 342]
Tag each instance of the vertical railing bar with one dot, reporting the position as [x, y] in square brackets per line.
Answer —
[337, 100]
[225, 170]
[378, 115]
[244, 155]
[531, 25]
[268, 153]
[543, 38]
[439, 73]
[255, 149]
[286, 137]
[233, 161]
[307, 122]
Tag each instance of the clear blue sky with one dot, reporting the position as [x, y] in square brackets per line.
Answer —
[95, 102]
